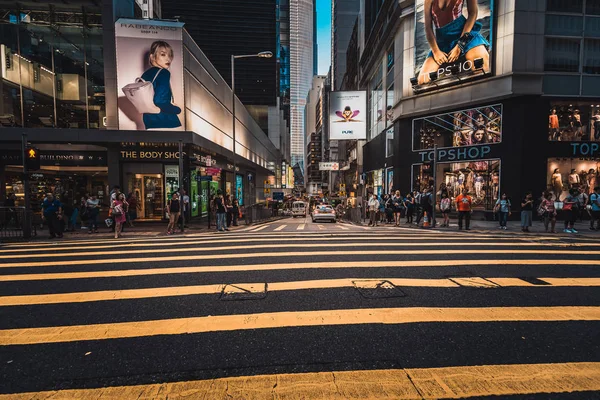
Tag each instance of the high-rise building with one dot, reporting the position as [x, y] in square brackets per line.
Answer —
[343, 17]
[302, 55]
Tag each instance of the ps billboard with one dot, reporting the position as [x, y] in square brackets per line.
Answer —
[348, 115]
[453, 41]
[150, 74]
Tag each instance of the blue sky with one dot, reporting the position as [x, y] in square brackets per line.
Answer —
[324, 35]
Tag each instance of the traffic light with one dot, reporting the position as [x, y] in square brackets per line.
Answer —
[32, 158]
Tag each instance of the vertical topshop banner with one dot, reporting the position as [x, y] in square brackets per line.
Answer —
[150, 74]
[348, 115]
[453, 39]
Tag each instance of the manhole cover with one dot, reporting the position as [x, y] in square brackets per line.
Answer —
[373, 289]
[246, 291]
[534, 281]
[475, 281]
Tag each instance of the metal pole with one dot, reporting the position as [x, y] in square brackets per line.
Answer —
[181, 206]
[26, 219]
[434, 194]
[233, 122]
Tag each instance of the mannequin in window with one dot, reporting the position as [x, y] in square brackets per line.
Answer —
[583, 181]
[557, 183]
[495, 184]
[478, 185]
[591, 180]
[597, 126]
[577, 125]
[553, 125]
[461, 180]
[574, 179]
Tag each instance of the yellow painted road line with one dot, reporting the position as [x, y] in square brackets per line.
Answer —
[260, 228]
[128, 294]
[383, 384]
[301, 228]
[341, 253]
[284, 266]
[225, 323]
[352, 243]
[282, 227]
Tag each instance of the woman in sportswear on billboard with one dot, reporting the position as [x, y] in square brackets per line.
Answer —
[161, 56]
[455, 35]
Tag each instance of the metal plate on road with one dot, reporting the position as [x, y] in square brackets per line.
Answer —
[377, 289]
[247, 291]
[474, 281]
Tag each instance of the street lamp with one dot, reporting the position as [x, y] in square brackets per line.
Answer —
[262, 54]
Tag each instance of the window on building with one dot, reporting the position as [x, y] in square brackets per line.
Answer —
[564, 25]
[376, 104]
[389, 142]
[591, 56]
[568, 6]
[573, 121]
[390, 58]
[389, 109]
[562, 55]
[476, 126]
[592, 7]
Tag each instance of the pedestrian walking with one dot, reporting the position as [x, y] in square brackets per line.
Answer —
[236, 210]
[409, 206]
[173, 210]
[52, 213]
[571, 208]
[119, 210]
[133, 208]
[595, 209]
[445, 206]
[503, 209]
[526, 212]
[92, 206]
[221, 212]
[397, 205]
[373, 206]
[464, 204]
[548, 212]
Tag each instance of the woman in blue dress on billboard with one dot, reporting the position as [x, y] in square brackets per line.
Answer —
[161, 56]
[455, 35]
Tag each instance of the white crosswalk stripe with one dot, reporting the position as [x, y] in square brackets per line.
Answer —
[280, 228]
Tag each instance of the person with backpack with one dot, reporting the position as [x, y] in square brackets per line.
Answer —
[119, 208]
[173, 210]
[445, 206]
[502, 208]
[595, 209]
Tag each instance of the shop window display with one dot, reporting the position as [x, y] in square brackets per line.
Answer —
[480, 178]
[574, 122]
[567, 173]
[470, 127]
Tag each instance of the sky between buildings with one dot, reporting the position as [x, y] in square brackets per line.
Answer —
[324, 35]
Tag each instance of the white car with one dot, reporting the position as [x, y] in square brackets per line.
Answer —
[299, 209]
[323, 213]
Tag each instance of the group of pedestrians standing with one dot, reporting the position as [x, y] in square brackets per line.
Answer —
[226, 209]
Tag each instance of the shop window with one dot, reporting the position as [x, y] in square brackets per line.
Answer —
[591, 56]
[568, 6]
[562, 55]
[480, 178]
[389, 142]
[470, 127]
[574, 122]
[567, 173]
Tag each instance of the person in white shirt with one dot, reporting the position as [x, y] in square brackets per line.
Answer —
[373, 207]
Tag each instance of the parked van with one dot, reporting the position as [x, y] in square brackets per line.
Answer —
[299, 209]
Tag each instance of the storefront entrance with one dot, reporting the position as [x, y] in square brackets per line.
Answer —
[148, 190]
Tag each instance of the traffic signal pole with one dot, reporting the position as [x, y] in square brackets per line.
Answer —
[27, 190]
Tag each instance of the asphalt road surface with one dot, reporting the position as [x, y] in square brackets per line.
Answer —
[296, 310]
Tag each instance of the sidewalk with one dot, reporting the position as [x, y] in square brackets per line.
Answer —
[513, 227]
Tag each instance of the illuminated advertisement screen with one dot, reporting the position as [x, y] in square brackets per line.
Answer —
[347, 115]
[150, 74]
[453, 41]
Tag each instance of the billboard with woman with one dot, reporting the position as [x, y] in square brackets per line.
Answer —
[452, 38]
[150, 74]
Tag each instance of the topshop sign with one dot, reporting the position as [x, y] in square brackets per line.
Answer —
[456, 154]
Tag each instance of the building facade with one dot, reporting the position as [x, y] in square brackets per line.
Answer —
[344, 14]
[302, 64]
[518, 113]
[63, 86]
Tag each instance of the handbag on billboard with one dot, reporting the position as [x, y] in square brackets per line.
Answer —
[141, 95]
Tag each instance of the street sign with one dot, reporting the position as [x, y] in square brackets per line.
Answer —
[278, 196]
[329, 166]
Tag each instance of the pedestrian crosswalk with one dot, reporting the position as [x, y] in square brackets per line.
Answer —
[281, 311]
